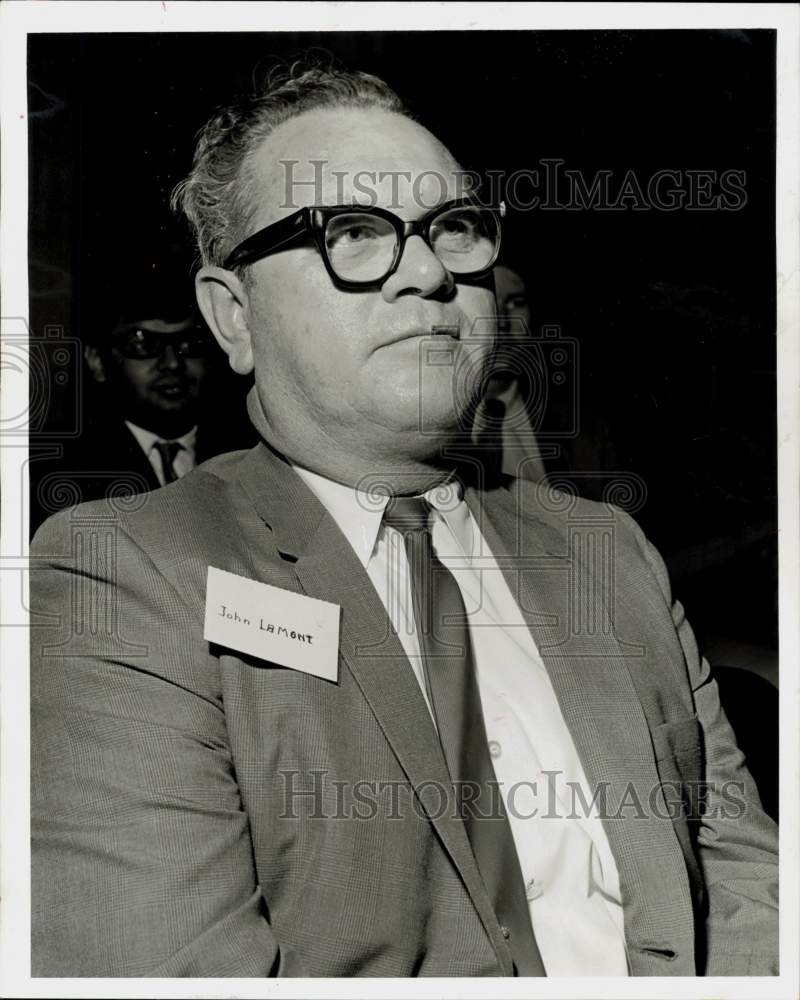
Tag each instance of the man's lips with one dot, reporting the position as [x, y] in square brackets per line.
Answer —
[443, 330]
[172, 388]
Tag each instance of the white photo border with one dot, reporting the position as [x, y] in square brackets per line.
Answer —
[18, 19]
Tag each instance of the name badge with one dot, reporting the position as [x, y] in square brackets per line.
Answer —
[255, 618]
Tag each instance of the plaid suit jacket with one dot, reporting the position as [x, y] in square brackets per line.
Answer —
[198, 812]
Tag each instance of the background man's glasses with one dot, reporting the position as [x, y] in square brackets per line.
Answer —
[362, 247]
[146, 344]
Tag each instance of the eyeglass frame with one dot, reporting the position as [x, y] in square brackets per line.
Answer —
[313, 220]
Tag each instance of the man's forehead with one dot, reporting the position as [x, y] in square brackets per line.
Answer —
[335, 156]
[155, 324]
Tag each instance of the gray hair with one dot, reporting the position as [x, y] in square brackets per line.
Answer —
[216, 195]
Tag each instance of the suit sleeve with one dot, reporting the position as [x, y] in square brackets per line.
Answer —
[737, 841]
[142, 862]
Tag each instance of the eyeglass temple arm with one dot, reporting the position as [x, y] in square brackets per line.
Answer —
[267, 240]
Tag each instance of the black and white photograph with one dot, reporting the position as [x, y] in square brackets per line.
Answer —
[400, 497]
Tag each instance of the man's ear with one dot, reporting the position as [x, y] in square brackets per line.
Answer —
[94, 361]
[223, 301]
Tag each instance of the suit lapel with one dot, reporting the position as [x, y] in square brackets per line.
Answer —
[133, 457]
[564, 598]
[327, 568]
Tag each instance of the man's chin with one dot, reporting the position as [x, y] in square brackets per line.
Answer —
[167, 418]
[416, 426]
[443, 414]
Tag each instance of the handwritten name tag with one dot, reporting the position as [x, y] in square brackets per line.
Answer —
[256, 618]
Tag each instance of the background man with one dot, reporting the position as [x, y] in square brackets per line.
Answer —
[207, 807]
[153, 366]
[504, 431]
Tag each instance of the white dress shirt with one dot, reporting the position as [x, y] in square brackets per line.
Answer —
[571, 878]
[185, 459]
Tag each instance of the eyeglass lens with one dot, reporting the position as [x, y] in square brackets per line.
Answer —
[362, 247]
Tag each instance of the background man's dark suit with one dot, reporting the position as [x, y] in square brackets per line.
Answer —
[107, 461]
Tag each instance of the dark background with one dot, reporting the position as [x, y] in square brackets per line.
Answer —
[673, 312]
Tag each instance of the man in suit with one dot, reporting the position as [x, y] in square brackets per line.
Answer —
[503, 431]
[151, 364]
[493, 750]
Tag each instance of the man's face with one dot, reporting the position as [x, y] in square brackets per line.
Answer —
[160, 393]
[512, 302]
[354, 365]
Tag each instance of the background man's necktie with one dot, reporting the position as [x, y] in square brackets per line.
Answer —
[168, 450]
[452, 685]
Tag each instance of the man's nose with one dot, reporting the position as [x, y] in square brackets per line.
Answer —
[420, 272]
[170, 358]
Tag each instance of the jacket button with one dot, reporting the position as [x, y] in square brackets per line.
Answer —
[505, 931]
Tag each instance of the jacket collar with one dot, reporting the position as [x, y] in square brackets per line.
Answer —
[327, 568]
[539, 550]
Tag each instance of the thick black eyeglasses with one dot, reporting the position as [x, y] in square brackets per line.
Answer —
[362, 246]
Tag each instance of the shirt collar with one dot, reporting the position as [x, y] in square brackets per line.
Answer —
[447, 500]
[147, 438]
[359, 514]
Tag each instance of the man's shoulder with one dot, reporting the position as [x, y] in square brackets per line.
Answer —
[538, 502]
[194, 509]
[535, 518]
